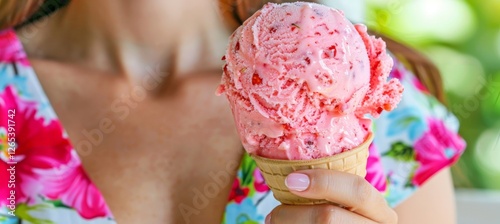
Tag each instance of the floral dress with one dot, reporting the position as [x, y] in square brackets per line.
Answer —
[42, 180]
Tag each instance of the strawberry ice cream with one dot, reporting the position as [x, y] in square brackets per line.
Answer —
[300, 79]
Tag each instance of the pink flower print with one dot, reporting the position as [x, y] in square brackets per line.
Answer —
[436, 149]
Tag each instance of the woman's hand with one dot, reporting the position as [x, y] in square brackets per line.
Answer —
[362, 202]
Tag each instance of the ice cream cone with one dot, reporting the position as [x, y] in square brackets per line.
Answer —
[275, 171]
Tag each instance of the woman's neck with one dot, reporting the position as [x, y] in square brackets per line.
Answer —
[130, 36]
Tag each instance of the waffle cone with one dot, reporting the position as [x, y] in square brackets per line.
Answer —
[275, 171]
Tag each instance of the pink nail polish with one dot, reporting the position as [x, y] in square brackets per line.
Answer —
[297, 182]
[268, 219]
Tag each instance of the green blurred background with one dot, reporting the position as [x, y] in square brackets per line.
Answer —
[463, 38]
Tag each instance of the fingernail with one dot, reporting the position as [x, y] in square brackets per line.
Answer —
[268, 219]
[297, 182]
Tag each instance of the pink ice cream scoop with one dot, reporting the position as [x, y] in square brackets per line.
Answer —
[300, 79]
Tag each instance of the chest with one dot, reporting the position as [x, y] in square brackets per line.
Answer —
[154, 153]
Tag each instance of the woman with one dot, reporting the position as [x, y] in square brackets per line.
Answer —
[146, 141]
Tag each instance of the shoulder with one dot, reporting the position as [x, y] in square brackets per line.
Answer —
[413, 142]
[439, 188]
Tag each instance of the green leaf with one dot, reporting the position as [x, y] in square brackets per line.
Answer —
[245, 219]
[22, 212]
[251, 190]
[409, 183]
[247, 168]
[409, 120]
[57, 204]
[401, 152]
[433, 102]
[224, 218]
[251, 222]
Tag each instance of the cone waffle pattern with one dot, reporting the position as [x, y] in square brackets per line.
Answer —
[275, 171]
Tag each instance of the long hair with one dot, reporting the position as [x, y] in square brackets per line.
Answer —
[13, 13]
[16, 13]
[237, 11]
[422, 67]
